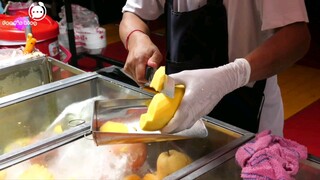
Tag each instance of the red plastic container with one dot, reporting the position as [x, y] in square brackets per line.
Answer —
[46, 31]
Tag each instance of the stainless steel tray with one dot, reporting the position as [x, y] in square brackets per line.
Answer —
[128, 111]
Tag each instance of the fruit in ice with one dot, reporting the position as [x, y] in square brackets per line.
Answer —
[171, 161]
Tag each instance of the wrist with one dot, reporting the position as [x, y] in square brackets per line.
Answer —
[244, 71]
[235, 74]
[130, 34]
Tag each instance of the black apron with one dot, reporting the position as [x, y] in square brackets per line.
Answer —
[199, 39]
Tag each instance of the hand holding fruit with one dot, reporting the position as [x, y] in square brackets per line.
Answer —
[161, 108]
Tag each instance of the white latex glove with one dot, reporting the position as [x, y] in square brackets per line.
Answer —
[204, 88]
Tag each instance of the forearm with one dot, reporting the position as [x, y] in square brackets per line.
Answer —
[283, 49]
[129, 23]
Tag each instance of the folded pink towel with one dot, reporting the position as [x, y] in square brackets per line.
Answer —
[270, 157]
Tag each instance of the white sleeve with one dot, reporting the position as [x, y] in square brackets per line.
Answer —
[278, 13]
[145, 9]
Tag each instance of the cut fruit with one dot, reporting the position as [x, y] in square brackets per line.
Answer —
[111, 126]
[36, 171]
[161, 110]
[158, 79]
[150, 176]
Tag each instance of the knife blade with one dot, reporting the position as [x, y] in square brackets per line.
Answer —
[168, 86]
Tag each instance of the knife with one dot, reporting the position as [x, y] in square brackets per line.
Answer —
[168, 86]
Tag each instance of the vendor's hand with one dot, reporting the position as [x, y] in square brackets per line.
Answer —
[204, 88]
[142, 52]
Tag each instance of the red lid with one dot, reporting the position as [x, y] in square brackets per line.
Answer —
[12, 27]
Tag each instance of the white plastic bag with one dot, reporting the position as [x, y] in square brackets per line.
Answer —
[89, 36]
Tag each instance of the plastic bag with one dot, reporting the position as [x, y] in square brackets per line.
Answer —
[13, 56]
[89, 36]
[14, 7]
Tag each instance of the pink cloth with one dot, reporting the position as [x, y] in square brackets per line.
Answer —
[270, 157]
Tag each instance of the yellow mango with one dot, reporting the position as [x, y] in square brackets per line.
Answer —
[161, 110]
[158, 79]
[36, 171]
[111, 126]
[58, 129]
[150, 176]
[3, 175]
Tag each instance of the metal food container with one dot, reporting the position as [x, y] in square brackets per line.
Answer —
[33, 73]
[49, 131]
[42, 118]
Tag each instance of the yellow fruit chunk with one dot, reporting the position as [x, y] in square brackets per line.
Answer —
[111, 126]
[171, 161]
[18, 144]
[36, 171]
[58, 129]
[3, 175]
[150, 176]
[161, 110]
[158, 79]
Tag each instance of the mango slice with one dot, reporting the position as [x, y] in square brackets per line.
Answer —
[58, 129]
[158, 79]
[161, 110]
[111, 126]
[150, 176]
[132, 177]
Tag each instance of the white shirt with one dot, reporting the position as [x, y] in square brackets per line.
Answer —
[253, 18]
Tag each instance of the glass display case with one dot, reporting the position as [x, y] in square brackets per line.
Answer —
[47, 131]
[33, 73]
[40, 116]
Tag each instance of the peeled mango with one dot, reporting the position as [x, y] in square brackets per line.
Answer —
[158, 79]
[161, 108]
[36, 171]
[111, 126]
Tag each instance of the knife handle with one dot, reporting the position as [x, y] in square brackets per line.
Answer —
[149, 73]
